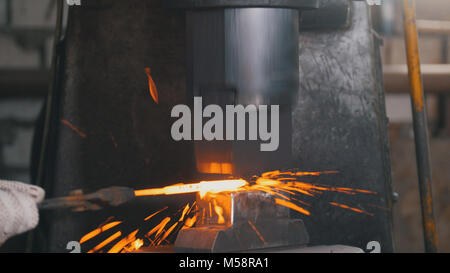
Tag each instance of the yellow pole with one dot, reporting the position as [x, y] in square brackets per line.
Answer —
[420, 125]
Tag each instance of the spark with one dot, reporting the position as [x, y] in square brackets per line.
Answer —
[291, 205]
[152, 86]
[350, 208]
[74, 128]
[285, 187]
[106, 242]
[257, 232]
[124, 242]
[99, 230]
[159, 211]
[159, 228]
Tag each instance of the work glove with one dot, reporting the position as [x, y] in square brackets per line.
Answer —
[18, 208]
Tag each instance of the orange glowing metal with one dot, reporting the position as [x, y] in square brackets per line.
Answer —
[152, 85]
[202, 188]
[278, 173]
[215, 167]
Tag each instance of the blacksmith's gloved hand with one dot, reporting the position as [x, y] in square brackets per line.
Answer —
[18, 208]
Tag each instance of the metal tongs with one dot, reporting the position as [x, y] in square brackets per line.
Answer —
[77, 201]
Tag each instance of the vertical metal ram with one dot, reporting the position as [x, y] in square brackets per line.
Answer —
[243, 53]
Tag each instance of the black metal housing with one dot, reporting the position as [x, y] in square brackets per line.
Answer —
[198, 4]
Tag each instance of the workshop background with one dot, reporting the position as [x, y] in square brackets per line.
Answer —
[26, 42]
